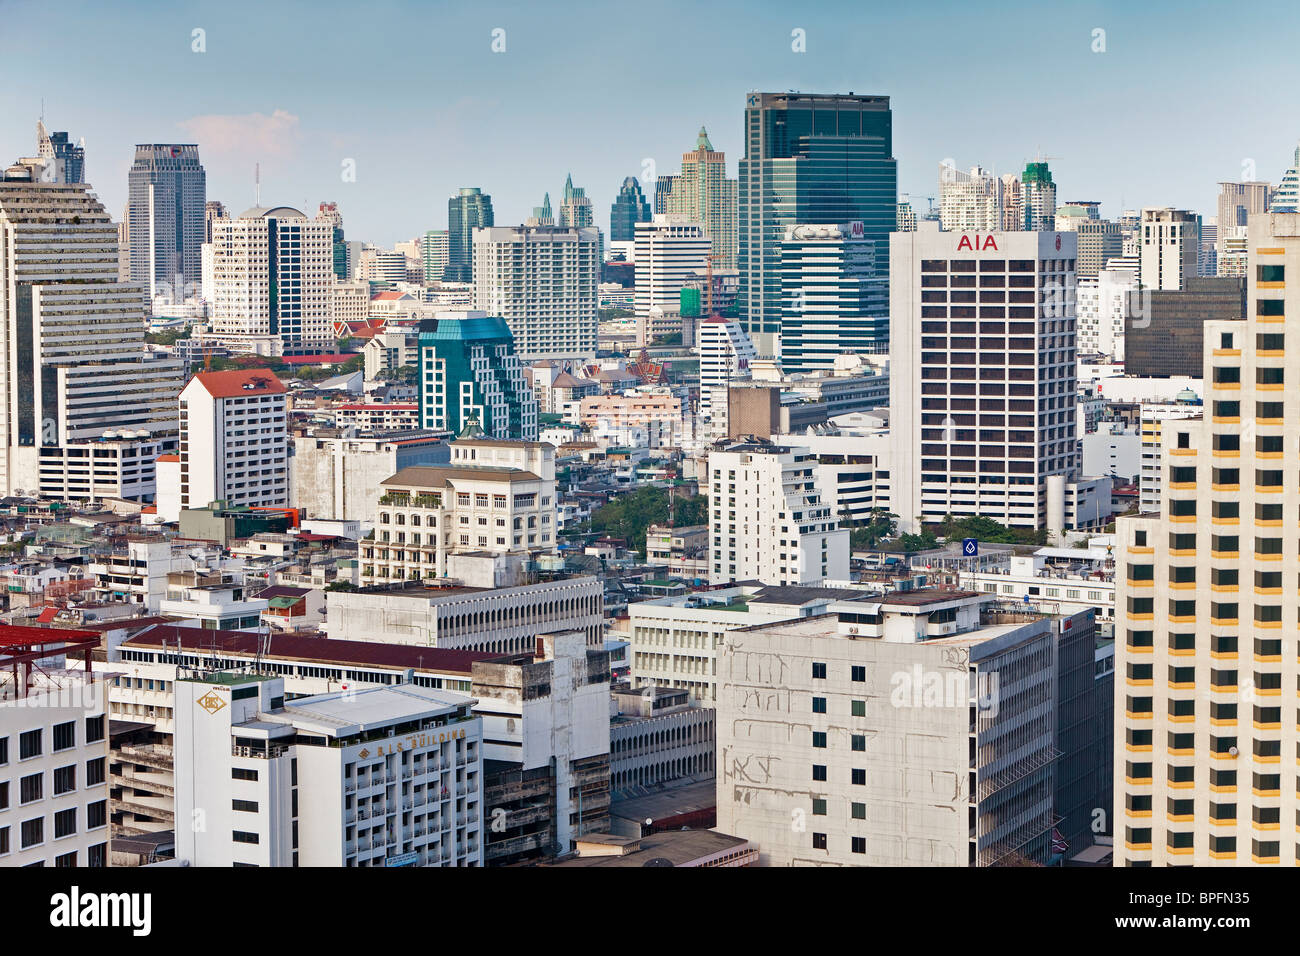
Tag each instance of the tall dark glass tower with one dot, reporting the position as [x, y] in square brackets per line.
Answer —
[629, 208]
[167, 219]
[469, 209]
[809, 158]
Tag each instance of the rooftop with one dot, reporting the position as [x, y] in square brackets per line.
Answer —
[239, 382]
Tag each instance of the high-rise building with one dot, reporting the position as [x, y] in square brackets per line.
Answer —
[1038, 197]
[468, 370]
[1170, 247]
[273, 278]
[1164, 338]
[56, 146]
[629, 208]
[234, 440]
[982, 396]
[1099, 241]
[543, 214]
[664, 186]
[437, 255]
[767, 519]
[77, 371]
[544, 281]
[212, 211]
[1286, 198]
[704, 194]
[835, 299]
[329, 212]
[670, 250]
[1231, 256]
[1013, 203]
[906, 216]
[969, 201]
[470, 209]
[575, 207]
[1237, 201]
[1206, 606]
[725, 356]
[168, 196]
[808, 158]
[1101, 306]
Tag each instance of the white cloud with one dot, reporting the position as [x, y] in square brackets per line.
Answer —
[250, 133]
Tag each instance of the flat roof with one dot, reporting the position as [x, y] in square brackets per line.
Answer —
[672, 847]
[349, 712]
[437, 476]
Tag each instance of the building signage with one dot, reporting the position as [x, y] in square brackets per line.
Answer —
[402, 859]
[415, 741]
[977, 243]
[856, 229]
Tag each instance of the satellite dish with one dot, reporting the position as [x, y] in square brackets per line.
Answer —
[1232, 751]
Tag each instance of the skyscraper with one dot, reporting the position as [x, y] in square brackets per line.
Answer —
[273, 279]
[544, 281]
[629, 208]
[1170, 245]
[969, 200]
[1286, 198]
[1237, 201]
[543, 215]
[704, 194]
[167, 193]
[575, 207]
[1039, 197]
[468, 210]
[215, 210]
[84, 410]
[808, 158]
[670, 251]
[57, 147]
[329, 212]
[435, 255]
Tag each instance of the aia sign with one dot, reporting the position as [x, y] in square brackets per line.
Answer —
[977, 243]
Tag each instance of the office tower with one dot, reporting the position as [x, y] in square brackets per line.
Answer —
[895, 734]
[386, 266]
[70, 160]
[1101, 306]
[1237, 201]
[543, 281]
[234, 440]
[984, 422]
[664, 186]
[499, 502]
[808, 158]
[77, 375]
[329, 212]
[670, 250]
[1079, 209]
[1038, 197]
[437, 253]
[1165, 338]
[1170, 245]
[470, 209]
[1013, 203]
[575, 207]
[726, 353]
[629, 208]
[906, 217]
[704, 194]
[53, 749]
[1286, 198]
[167, 201]
[1205, 603]
[468, 370]
[969, 201]
[835, 298]
[269, 776]
[1206, 252]
[1099, 241]
[273, 278]
[1231, 256]
[768, 522]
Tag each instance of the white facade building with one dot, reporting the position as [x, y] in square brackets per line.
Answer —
[726, 352]
[1171, 242]
[670, 251]
[1101, 306]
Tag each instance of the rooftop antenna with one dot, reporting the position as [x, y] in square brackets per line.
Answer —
[257, 184]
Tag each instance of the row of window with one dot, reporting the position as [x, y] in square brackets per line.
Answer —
[31, 743]
[33, 832]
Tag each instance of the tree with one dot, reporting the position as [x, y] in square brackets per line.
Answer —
[340, 586]
[629, 516]
[867, 535]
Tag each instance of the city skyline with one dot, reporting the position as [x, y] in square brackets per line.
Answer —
[302, 129]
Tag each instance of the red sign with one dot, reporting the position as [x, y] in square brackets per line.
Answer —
[978, 244]
[1058, 242]
[855, 229]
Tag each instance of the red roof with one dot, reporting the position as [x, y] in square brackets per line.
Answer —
[48, 615]
[169, 458]
[387, 296]
[239, 382]
[18, 635]
[381, 406]
[334, 359]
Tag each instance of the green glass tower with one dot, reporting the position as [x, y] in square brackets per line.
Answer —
[809, 158]
[467, 210]
[469, 371]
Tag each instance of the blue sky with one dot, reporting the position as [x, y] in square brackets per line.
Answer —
[1184, 95]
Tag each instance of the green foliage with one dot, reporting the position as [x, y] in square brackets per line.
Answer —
[340, 586]
[629, 516]
[406, 375]
[607, 314]
[163, 338]
[672, 338]
[868, 535]
[986, 529]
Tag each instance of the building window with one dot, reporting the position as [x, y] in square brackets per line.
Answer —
[819, 772]
[94, 729]
[859, 844]
[29, 745]
[818, 671]
[819, 738]
[858, 811]
[96, 814]
[858, 741]
[819, 705]
[65, 823]
[94, 772]
[819, 841]
[31, 788]
[65, 780]
[818, 807]
[859, 777]
[859, 708]
[859, 674]
[244, 836]
[32, 832]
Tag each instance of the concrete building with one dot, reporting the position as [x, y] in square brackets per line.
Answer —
[273, 282]
[382, 776]
[1038, 197]
[702, 193]
[53, 750]
[1206, 604]
[166, 220]
[1102, 305]
[1163, 338]
[726, 352]
[657, 411]
[670, 250]
[470, 209]
[969, 201]
[767, 520]
[834, 296]
[546, 740]
[984, 423]
[492, 498]
[436, 251]
[1170, 244]
[334, 476]
[84, 409]
[234, 441]
[1055, 580]
[544, 282]
[1154, 415]
[657, 737]
[675, 641]
[915, 729]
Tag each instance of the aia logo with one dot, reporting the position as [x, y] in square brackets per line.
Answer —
[1058, 242]
[978, 244]
[176, 152]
